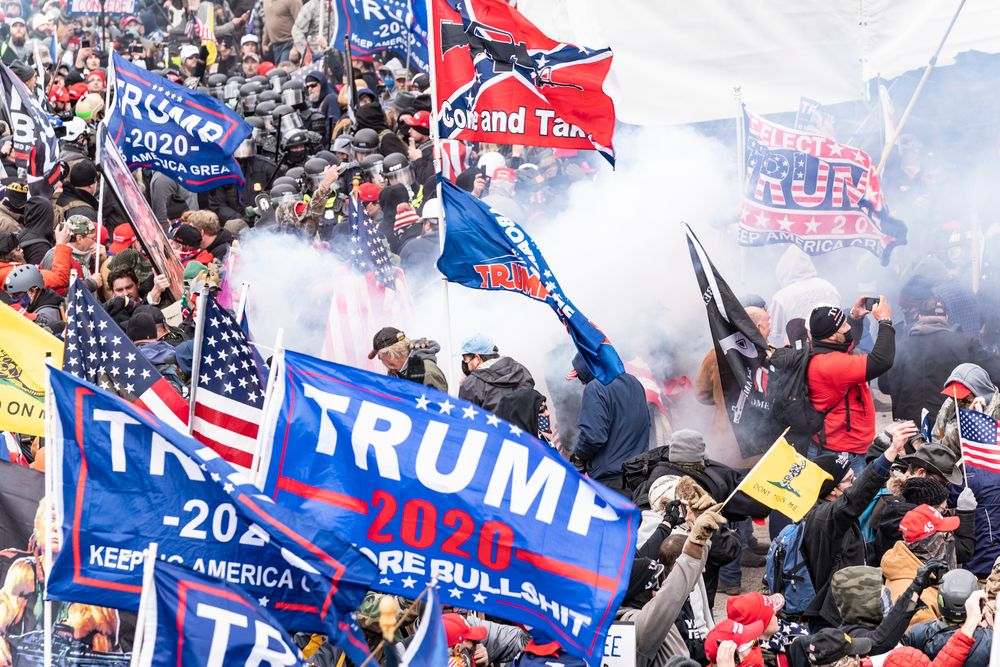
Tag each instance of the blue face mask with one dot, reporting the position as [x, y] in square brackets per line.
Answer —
[390, 82]
[23, 301]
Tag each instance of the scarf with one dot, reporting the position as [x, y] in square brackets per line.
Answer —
[693, 468]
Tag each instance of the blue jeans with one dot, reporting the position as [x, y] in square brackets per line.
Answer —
[858, 464]
[280, 51]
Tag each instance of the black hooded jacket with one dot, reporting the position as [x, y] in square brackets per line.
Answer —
[83, 202]
[486, 385]
[520, 407]
[372, 117]
[38, 236]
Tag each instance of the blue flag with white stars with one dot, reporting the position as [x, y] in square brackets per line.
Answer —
[429, 485]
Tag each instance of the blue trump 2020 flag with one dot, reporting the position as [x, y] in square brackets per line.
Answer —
[429, 647]
[159, 125]
[374, 26]
[124, 479]
[430, 485]
[199, 621]
[484, 250]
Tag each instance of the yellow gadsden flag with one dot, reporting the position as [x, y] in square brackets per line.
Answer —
[785, 480]
[22, 372]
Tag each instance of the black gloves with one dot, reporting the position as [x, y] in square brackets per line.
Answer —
[930, 573]
[203, 53]
[672, 514]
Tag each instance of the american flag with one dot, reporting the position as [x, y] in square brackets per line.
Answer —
[98, 351]
[230, 393]
[197, 27]
[368, 294]
[455, 156]
[979, 440]
[11, 450]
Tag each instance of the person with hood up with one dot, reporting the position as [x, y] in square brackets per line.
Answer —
[488, 375]
[909, 492]
[84, 244]
[801, 291]
[526, 409]
[832, 536]
[654, 597]
[38, 236]
[12, 205]
[323, 100]
[924, 359]
[370, 116]
[415, 360]
[926, 535]
[613, 424]
[974, 389]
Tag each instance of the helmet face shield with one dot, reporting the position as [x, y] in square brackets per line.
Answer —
[248, 147]
[291, 121]
[402, 176]
[250, 103]
[292, 96]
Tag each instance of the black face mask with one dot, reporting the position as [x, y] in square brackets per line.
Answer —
[465, 367]
[849, 338]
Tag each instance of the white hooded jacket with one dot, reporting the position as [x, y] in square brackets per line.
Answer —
[801, 291]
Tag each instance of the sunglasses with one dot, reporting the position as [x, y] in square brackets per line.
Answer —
[310, 86]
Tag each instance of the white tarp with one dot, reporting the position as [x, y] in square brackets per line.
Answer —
[677, 62]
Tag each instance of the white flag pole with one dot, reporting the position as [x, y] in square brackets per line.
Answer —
[148, 569]
[199, 334]
[272, 379]
[449, 365]
[49, 476]
[241, 306]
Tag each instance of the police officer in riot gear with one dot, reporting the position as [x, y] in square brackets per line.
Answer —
[231, 92]
[249, 93]
[365, 143]
[314, 172]
[373, 169]
[276, 79]
[216, 86]
[294, 93]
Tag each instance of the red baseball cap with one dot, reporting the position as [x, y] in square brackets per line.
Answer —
[564, 152]
[420, 119]
[369, 192]
[458, 630]
[751, 607]
[923, 521]
[505, 174]
[59, 94]
[78, 90]
[98, 73]
[264, 68]
[123, 237]
[104, 234]
[730, 630]
[956, 389]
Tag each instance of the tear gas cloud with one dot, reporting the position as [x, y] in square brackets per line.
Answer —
[618, 250]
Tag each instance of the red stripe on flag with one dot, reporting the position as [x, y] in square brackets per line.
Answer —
[566, 570]
[291, 606]
[171, 398]
[322, 495]
[230, 454]
[224, 420]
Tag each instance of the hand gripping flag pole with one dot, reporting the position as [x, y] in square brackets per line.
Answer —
[442, 223]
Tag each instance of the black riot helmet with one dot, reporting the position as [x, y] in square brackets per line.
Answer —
[268, 95]
[365, 143]
[286, 118]
[264, 110]
[314, 167]
[217, 85]
[955, 588]
[249, 94]
[282, 193]
[373, 167]
[285, 180]
[262, 80]
[259, 129]
[276, 78]
[232, 88]
[294, 144]
[294, 92]
[396, 169]
[299, 175]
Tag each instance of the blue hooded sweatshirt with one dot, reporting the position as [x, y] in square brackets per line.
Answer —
[613, 423]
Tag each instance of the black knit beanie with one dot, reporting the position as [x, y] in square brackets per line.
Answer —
[924, 491]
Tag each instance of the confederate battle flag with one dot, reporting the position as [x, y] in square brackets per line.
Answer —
[500, 80]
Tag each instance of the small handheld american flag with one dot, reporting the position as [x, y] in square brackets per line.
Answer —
[230, 394]
[979, 440]
[98, 351]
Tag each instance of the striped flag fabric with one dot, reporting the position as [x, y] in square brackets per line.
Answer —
[230, 395]
[11, 450]
[979, 440]
[98, 351]
[455, 158]
[367, 295]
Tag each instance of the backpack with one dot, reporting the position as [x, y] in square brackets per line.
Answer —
[637, 469]
[786, 571]
[788, 392]
[60, 211]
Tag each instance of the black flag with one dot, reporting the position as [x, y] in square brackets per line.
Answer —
[742, 353]
[35, 147]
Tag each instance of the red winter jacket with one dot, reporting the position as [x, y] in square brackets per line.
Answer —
[838, 384]
[952, 655]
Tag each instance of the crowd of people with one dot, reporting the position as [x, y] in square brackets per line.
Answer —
[897, 558]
